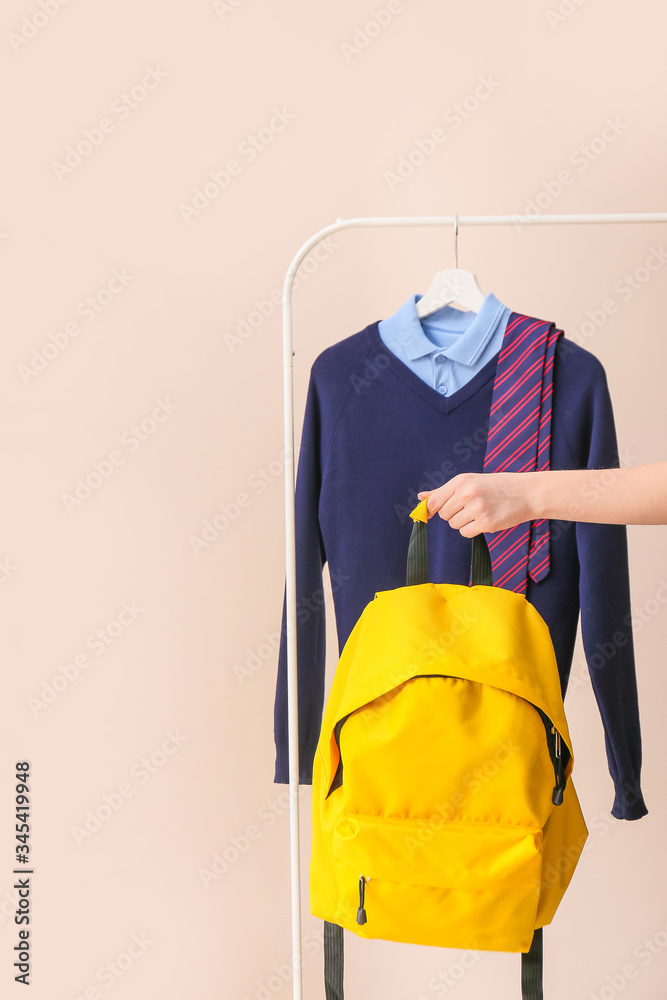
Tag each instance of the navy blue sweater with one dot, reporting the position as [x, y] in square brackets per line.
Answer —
[375, 434]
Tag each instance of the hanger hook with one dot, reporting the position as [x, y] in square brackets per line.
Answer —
[456, 240]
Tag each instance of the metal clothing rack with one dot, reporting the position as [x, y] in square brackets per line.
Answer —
[290, 487]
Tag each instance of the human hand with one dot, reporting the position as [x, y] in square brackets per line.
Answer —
[487, 501]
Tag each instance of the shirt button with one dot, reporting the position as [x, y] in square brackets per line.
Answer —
[442, 389]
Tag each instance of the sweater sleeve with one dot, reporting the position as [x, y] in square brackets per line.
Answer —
[310, 608]
[606, 617]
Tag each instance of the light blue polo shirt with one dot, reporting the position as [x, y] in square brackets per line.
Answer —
[447, 348]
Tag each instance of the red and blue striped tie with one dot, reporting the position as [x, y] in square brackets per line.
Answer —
[519, 440]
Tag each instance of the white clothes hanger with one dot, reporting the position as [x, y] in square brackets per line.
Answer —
[451, 285]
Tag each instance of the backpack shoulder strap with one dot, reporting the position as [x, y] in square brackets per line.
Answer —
[531, 965]
[333, 961]
[531, 969]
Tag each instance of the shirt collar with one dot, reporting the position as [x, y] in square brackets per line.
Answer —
[406, 329]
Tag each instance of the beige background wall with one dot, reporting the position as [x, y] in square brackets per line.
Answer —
[138, 666]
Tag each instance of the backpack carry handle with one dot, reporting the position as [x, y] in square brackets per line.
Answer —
[417, 569]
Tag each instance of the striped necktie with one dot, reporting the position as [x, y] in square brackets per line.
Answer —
[519, 440]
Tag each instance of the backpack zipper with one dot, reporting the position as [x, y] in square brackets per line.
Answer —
[559, 761]
[559, 769]
[554, 746]
[361, 912]
[338, 776]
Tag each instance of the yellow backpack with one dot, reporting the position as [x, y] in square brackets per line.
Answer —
[443, 813]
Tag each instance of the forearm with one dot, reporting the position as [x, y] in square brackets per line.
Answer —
[608, 496]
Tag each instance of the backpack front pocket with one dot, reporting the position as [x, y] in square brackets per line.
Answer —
[462, 885]
[433, 851]
[446, 746]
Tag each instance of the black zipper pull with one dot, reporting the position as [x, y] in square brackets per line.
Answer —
[557, 797]
[361, 912]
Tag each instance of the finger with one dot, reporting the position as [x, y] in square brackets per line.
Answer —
[425, 495]
[460, 519]
[439, 497]
[433, 500]
[451, 507]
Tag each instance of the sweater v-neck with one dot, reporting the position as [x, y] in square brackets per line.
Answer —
[445, 404]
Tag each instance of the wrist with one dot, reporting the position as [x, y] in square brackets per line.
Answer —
[535, 494]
